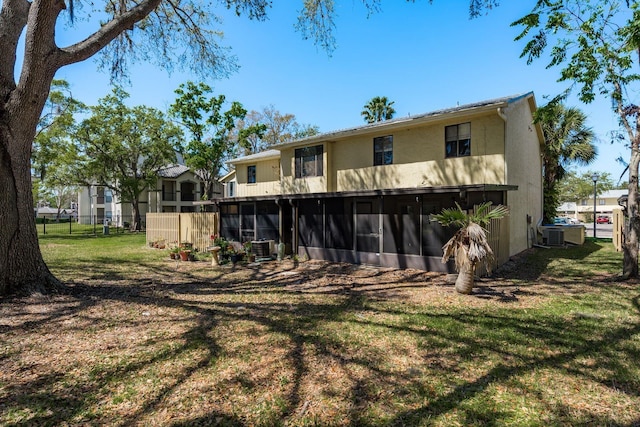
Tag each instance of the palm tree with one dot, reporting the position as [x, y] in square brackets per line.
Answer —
[568, 141]
[378, 109]
[469, 245]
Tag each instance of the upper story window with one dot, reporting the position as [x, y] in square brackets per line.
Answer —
[308, 161]
[100, 195]
[251, 174]
[458, 140]
[383, 150]
[231, 189]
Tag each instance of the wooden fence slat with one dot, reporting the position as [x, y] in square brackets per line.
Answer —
[193, 227]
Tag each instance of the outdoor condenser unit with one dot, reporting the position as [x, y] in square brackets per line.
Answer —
[555, 237]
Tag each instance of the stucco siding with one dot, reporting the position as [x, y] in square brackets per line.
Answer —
[524, 169]
[267, 179]
[419, 158]
[293, 185]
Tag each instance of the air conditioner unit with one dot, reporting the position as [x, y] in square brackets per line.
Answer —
[555, 237]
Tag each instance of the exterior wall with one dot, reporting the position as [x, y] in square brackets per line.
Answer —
[418, 160]
[524, 169]
[267, 178]
[90, 207]
[155, 200]
[293, 185]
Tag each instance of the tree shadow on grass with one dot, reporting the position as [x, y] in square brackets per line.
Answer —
[320, 323]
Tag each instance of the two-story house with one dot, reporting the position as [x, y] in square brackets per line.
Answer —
[368, 194]
[176, 190]
[605, 204]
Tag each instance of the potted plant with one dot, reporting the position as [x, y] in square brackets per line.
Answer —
[184, 254]
[174, 253]
[233, 255]
[247, 250]
[469, 245]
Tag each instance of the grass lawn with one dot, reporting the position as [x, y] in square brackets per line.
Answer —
[552, 339]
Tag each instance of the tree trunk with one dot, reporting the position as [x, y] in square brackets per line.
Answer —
[135, 207]
[464, 282]
[630, 248]
[22, 269]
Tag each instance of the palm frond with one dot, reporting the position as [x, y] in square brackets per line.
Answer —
[469, 245]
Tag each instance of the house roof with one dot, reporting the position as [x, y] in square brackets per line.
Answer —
[466, 109]
[613, 194]
[172, 171]
[263, 155]
[49, 210]
[229, 176]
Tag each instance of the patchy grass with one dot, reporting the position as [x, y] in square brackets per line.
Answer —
[138, 339]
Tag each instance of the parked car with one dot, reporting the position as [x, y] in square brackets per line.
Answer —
[603, 219]
[561, 221]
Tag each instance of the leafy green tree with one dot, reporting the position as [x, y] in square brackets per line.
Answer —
[124, 148]
[212, 131]
[596, 45]
[277, 128]
[378, 109]
[53, 141]
[568, 141]
[55, 155]
[576, 188]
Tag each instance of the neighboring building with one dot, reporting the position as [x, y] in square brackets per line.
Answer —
[53, 213]
[367, 194]
[176, 190]
[583, 210]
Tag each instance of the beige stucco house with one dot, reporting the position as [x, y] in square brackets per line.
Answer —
[367, 194]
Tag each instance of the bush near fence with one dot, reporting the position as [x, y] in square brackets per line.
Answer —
[191, 227]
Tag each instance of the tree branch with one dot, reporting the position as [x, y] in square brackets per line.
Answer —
[112, 29]
[13, 19]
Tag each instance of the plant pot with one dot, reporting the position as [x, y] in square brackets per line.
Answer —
[235, 258]
[184, 255]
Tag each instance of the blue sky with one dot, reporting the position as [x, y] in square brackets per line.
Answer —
[423, 57]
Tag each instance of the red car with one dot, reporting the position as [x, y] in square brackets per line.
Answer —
[603, 219]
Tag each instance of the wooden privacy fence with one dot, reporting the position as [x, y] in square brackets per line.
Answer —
[498, 238]
[192, 227]
[619, 227]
